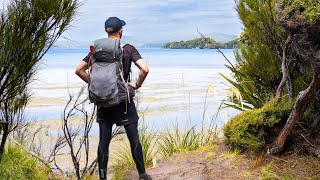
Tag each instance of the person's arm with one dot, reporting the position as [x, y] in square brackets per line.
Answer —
[144, 70]
[81, 71]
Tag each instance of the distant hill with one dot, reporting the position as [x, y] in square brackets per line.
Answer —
[201, 43]
[218, 37]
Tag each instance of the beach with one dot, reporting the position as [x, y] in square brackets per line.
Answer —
[183, 88]
[180, 86]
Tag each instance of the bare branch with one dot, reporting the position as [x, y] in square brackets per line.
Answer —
[214, 45]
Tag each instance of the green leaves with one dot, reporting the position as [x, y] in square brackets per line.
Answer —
[17, 164]
[201, 43]
[28, 29]
[306, 10]
[251, 129]
[195, 43]
[256, 73]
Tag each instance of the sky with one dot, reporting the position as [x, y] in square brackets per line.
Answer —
[156, 20]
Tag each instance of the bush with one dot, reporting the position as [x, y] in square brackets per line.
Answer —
[247, 130]
[17, 164]
[303, 10]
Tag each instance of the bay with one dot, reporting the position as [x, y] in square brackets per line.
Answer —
[183, 87]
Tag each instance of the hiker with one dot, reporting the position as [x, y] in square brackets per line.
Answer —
[125, 113]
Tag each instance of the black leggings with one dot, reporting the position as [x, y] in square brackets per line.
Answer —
[104, 141]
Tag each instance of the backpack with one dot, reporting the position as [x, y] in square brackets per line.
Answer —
[107, 86]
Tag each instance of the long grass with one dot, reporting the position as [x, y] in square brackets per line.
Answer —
[184, 140]
[148, 141]
[18, 164]
[178, 141]
[190, 138]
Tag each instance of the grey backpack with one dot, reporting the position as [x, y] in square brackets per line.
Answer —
[107, 86]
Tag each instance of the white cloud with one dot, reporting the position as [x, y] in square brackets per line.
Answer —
[154, 20]
[3, 3]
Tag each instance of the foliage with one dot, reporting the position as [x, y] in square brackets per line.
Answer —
[119, 172]
[28, 29]
[179, 141]
[256, 73]
[267, 173]
[229, 45]
[247, 131]
[307, 10]
[275, 47]
[195, 43]
[148, 142]
[17, 164]
[201, 44]
[184, 140]
[254, 85]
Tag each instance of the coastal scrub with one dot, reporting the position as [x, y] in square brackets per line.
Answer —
[247, 131]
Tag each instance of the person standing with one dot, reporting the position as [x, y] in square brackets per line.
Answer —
[124, 114]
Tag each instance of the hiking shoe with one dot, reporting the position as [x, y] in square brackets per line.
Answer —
[145, 177]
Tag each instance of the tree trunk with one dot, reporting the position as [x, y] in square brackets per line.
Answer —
[314, 125]
[284, 69]
[299, 107]
[290, 87]
[4, 139]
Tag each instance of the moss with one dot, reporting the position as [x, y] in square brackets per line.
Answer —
[242, 131]
[307, 10]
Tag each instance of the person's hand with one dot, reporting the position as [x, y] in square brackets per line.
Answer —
[133, 85]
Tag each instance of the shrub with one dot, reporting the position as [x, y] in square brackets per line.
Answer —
[17, 164]
[247, 130]
[307, 10]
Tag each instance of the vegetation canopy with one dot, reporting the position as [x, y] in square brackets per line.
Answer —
[279, 58]
[200, 43]
[306, 10]
[28, 30]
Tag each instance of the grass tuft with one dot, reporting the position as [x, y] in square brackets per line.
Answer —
[267, 173]
[18, 164]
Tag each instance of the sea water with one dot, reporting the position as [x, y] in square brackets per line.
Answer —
[184, 86]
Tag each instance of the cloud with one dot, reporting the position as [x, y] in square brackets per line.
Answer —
[4, 3]
[154, 20]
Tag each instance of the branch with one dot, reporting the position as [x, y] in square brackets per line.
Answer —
[214, 45]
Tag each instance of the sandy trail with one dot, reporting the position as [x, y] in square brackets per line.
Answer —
[214, 164]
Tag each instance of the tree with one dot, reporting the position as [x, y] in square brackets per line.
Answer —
[302, 19]
[28, 30]
[256, 74]
[280, 47]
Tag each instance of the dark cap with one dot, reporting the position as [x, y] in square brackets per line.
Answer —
[113, 24]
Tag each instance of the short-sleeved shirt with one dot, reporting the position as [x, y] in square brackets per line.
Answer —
[117, 114]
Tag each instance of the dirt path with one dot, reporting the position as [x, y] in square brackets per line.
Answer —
[219, 163]
[180, 167]
[215, 163]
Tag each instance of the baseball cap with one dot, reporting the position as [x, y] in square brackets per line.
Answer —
[113, 24]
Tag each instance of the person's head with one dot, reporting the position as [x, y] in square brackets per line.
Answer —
[113, 27]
